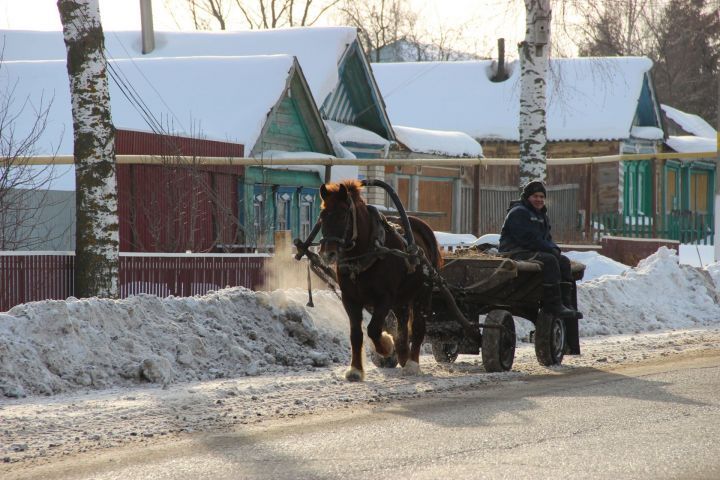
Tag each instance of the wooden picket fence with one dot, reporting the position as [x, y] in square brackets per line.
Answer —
[32, 276]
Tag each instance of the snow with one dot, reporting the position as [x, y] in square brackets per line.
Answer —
[83, 374]
[250, 87]
[318, 49]
[351, 134]
[703, 136]
[691, 144]
[454, 144]
[692, 124]
[588, 98]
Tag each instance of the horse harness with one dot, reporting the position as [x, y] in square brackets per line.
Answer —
[380, 228]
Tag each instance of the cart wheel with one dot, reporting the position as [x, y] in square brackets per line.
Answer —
[445, 352]
[498, 344]
[392, 360]
[549, 339]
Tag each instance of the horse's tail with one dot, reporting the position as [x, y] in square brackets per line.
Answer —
[423, 232]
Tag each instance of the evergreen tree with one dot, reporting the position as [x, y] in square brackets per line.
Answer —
[688, 51]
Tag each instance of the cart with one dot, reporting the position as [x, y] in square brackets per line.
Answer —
[476, 284]
[470, 284]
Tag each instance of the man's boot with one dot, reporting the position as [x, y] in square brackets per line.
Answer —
[552, 302]
[566, 294]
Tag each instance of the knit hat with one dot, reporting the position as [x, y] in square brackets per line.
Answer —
[533, 187]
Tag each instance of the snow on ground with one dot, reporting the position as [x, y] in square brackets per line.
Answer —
[91, 373]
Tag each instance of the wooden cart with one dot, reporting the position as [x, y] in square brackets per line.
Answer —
[497, 288]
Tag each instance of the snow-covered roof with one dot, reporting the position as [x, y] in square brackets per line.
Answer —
[219, 98]
[350, 134]
[318, 49]
[691, 144]
[703, 136]
[588, 98]
[647, 133]
[692, 124]
[454, 144]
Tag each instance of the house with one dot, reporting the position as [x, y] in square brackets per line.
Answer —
[596, 107]
[204, 106]
[332, 59]
[443, 196]
[688, 185]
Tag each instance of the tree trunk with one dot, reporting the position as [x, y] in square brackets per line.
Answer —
[533, 73]
[97, 237]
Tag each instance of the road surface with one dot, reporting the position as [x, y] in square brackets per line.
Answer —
[651, 420]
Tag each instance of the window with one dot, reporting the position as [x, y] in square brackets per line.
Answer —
[258, 214]
[306, 213]
[282, 211]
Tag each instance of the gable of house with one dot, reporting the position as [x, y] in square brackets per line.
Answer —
[294, 123]
[356, 99]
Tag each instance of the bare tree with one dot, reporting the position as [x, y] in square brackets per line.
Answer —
[25, 202]
[97, 236]
[682, 37]
[380, 23]
[264, 14]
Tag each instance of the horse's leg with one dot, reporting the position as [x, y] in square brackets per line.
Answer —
[355, 372]
[382, 341]
[402, 346]
[419, 313]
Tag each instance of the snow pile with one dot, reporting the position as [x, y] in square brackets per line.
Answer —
[56, 346]
[596, 265]
[660, 293]
[63, 346]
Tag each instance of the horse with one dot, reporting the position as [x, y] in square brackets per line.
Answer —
[370, 276]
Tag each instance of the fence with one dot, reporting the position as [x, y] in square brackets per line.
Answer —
[685, 227]
[562, 209]
[32, 276]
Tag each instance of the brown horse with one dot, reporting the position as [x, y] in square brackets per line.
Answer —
[377, 279]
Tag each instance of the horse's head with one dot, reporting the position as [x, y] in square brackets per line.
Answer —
[338, 218]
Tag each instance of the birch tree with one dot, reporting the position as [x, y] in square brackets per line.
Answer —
[534, 53]
[97, 236]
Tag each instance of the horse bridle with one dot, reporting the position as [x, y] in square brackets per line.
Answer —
[344, 242]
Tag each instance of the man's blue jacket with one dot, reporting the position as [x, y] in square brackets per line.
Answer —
[526, 229]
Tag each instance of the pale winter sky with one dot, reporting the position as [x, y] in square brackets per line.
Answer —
[481, 21]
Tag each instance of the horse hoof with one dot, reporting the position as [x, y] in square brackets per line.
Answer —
[352, 374]
[411, 368]
[388, 345]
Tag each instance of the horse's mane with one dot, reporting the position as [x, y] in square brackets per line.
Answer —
[354, 187]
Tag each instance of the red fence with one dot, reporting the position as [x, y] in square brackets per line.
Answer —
[32, 276]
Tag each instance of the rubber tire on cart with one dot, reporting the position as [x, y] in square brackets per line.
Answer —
[445, 352]
[498, 344]
[392, 360]
[550, 339]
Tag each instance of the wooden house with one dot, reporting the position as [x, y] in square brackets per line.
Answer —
[443, 196]
[596, 107]
[333, 61]
[253, 104]
[688, 185]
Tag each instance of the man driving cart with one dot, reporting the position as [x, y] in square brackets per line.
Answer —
[525, 235]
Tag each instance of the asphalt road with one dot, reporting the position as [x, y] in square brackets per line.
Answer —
[654, 420]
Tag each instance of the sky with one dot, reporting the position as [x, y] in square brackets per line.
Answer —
[481, 21]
